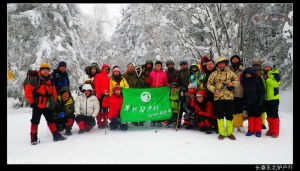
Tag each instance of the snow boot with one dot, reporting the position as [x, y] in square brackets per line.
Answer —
[81, 126]
[58, 137]
[270, 122]
[275, 127]
[68, 131]
[209, 130]
[249, 133]
[258, 134]
[229, 129]
[124, 127]
[113, 126]
[232, 137]
[221, 137]
[33, 134]
[135, 123]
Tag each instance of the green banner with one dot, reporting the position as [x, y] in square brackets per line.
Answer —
[146, 104]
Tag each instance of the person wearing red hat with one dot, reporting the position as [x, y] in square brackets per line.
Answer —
[114, 103]
[204, 112]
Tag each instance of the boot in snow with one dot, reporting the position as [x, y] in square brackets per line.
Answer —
[33, 134]
[249, 133]
[68, 131]
[209, 130]
[58, 137]
[124, 127]
[258, 134]
[232, 137]
[221, 137]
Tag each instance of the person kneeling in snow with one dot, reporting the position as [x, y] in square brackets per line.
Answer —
[86, 109]
[204, 111]
[189, 117]
[114, 102]
[64, 111]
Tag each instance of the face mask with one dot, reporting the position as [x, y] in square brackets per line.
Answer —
[171, 69]
[236, 65]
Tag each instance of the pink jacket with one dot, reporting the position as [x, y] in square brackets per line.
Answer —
[157, 79]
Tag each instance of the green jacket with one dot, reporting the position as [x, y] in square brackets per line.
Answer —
[64, 106]
[271, 84]
[174, 101]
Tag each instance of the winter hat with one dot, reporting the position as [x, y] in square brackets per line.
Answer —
[222, 59]
[204, 59]
[235, 56]
[193, 86]
[104, 65]
[87, 87]
[174, 84]
[117, 69]
[170, 62]
[158, 62]
[44, 65]
[257, 62]
[200, 93]
[267, 63]
[117, 87]
[65, 89]
[62, 64]
[248, 70]
[149, 62]
[183, 62]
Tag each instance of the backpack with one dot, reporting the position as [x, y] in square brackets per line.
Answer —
[29, 76]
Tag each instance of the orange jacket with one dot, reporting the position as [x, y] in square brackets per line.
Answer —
[40, 96]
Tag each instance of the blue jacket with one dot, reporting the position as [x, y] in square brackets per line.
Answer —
[254, 91]
[60, 79]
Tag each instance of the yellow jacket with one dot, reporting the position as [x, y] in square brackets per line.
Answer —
[123, 84]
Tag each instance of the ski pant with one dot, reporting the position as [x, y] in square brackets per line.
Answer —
[224, 108]
[271, 108]
[65, 122]
[84, 121]
[203, 121]
[37, 113]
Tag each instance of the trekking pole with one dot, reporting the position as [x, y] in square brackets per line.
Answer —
[177, 121]
[178, 116]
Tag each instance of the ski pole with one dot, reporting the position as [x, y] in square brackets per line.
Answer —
[178, 120]
[106, 120]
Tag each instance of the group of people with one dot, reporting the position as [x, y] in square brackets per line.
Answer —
[212, 96]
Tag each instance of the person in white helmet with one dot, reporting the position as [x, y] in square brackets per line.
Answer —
[86, 109]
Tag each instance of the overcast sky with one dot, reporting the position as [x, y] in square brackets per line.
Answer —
[113, 13]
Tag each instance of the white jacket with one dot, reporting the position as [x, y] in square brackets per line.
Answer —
[87, 106]
[83, 78]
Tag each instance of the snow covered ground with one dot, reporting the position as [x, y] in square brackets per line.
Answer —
[143, 145]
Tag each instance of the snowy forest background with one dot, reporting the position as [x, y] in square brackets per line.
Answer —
[53, 32]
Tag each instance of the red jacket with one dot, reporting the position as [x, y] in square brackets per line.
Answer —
[157, 79]
[101, 81]
[114, 103]
[208, 112]
[45, 86]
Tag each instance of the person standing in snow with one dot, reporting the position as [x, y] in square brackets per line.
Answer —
[256, 65]
[41, 95]
[196, 77]
[253, 98]
[238, 121]
[174, 102]
[64, 111]
[171, 72]
[114, 103]
[157, 78]
[138, 81]
[86, 109]
[117, 79]
[129, 74]
[102, 81]
[221, 83]
[89, 76]
[148, 69]
[203, 110]
[59, 76]
[184, 74]
[271, 82]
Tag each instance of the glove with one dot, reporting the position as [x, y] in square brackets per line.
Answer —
[33, 105]
[265, 76]
[61, 114]
[193, 115]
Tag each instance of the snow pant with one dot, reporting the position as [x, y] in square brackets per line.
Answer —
[102, 115]
[254, 118]
[224, 108]
[238, 113]
[35, 120]
[65, 122]
[115, 122]
[203, 121]
[271, 108]
[174, 117]
[84, 121]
